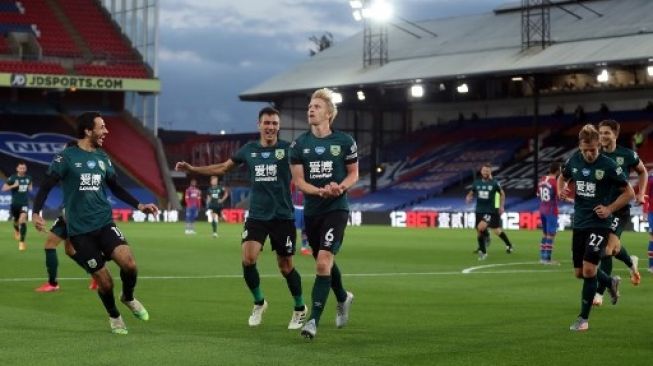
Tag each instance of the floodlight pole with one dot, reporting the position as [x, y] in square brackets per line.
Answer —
[375, 43]
[535, 23]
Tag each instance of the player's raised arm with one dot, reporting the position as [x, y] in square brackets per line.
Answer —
[214, 169]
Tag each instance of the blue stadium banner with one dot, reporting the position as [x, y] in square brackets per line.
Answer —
[38, 148]
[43, 81]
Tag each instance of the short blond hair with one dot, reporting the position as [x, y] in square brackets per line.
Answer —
[588, 134]
[326, 95]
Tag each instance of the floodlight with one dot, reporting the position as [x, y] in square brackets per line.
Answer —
[361, 95]
[222, 132]
[462, 88]
[649, 70]
[336, 98]
[517, 78]
[357, 14]
[417, 91]
[381, 10]
[356, 4]
[603, 77]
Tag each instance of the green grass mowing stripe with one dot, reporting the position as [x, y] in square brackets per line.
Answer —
[408, 310]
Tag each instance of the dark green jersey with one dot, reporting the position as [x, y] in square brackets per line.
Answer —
[269, 175]
[594, 184]
[627, 159]
[19, 195]
[215, 193]
[324, 160]
[83, 175]
[487, 195]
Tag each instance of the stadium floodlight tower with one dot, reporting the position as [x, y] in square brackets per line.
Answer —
[535, 23]
[374, 14]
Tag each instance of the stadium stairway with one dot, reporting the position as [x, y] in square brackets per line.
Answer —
[137, 152]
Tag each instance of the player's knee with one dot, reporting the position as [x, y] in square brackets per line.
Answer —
[104, 281]
[285, 267]
[323, 268]
[249, 260]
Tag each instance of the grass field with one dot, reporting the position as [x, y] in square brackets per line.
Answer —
[413, 305]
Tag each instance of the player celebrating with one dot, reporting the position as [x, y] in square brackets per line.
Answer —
[324, 166]
[488, 210]
[548, 195]
[193, 200]
[628, 161]
[270, 212]
[19, 184]
[85, 171]
[595, 176]
[216, 195]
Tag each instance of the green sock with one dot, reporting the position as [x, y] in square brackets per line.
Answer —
[23, 231]
[606, 267]
[336, 284]
[624, 257]
[320, 294]
[253, 280]
[51, 263]
[214, 225]
[294, 281]
[589, 289]
[603, 278]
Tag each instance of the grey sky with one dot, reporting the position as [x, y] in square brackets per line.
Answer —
[212, 50]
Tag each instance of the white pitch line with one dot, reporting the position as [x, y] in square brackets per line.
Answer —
[477, 269]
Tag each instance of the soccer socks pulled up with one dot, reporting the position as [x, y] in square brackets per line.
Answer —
[624, 257]
[336, 284]
[505, 239]
[128, 284]
[109, 302]
[481, 242]
[294, 281]
[23, 231]
[650, 254]
[605, 267]
[51, 264]
[253, 281]
[319, 295]
[214, 226]
[589, 289]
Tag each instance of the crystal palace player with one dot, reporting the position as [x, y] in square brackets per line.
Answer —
[547, 192]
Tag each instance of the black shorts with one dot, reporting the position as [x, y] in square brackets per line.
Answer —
[282, 233]
[17, 210]
[59, 228]
[216, 209]
[94, 248]
[326, 231]
[619, 221]
[493, 220]
[588, 245]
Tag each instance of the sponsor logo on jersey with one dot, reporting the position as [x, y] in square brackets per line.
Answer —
[279, 154]
[91, 164]
[599, 174]
[320, 150]
[335, 150]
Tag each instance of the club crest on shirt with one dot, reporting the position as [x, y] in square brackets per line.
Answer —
[320, 150]
[101, 164]
[90, 164]
[265, 154]
[335, 150]
[279, 154]
[620, 160]
[599, 174]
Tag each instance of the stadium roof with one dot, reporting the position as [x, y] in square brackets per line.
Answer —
[479, 45]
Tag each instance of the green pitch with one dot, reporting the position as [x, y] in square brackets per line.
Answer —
[413, 305]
